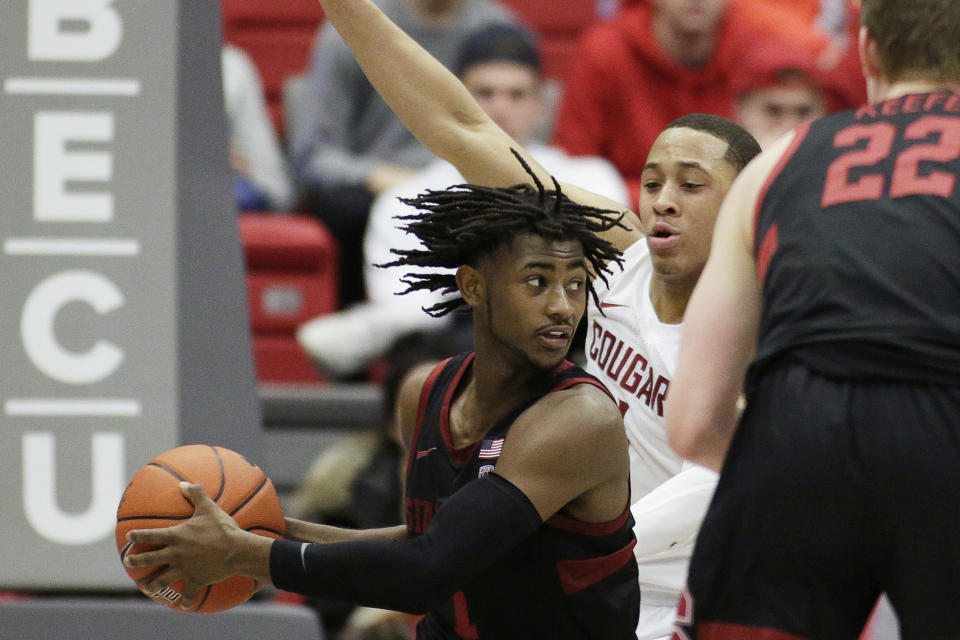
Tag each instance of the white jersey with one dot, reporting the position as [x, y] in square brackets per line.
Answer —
[635, 355]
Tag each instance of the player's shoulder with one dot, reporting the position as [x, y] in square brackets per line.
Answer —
[747, 190]
[579, 423]
[586, 407]
[411, 388]
[622, 278]
[637, 255]
[768, 159]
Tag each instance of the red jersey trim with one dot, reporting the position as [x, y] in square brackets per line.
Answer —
[570, 382]
[768, 247]
[459, 455]
[567, 523]
[580, 573]
[563, 366]
[731, 631]
[799, 135]
[421, 410]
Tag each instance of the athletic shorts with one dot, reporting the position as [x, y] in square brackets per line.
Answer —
[832, 492]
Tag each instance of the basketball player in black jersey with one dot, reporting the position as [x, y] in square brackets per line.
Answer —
[835, 275]
[518, 521]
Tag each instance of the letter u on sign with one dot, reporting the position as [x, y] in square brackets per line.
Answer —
[40, 489]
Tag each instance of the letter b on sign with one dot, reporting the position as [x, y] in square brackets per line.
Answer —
[49, 40]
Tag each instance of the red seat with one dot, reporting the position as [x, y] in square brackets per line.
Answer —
[552, 16]
[291, 275]
[280, 359]
[260, 11]
[278, 54]
[558, 23]
[277, 36]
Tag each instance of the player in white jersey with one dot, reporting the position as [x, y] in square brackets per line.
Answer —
[689, 169]
[633, 341]
[634, 354]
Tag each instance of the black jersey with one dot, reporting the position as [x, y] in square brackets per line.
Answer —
[857, 240]
[570, 579]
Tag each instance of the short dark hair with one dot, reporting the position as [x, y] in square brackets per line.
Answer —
[498, 43]
[466, 222]
[741, 146]
[916, 39]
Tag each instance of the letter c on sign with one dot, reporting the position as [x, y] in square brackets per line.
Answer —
[37, 327]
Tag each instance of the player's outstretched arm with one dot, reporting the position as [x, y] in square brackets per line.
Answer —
[429, 99]
[438, 109]
[720, 327]
[303, 531]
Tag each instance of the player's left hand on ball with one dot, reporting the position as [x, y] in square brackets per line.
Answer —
[197, 550]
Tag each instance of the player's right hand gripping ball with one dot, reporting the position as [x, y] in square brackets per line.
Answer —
[153, 499]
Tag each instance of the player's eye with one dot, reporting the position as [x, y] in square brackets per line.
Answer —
[536, 281]
[575, 285]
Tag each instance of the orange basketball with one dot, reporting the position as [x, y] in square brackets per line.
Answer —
[153, 499]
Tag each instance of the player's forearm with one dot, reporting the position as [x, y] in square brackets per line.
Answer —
[703, 438]
[321, 533]
[422, 92]
[250, 555]
[488, 517]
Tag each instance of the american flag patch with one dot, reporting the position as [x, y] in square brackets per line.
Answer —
[490, 448]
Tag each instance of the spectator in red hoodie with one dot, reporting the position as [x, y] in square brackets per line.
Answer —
[777, 90]
[654, 62]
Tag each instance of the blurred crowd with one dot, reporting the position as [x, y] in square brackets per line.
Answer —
[345, 159]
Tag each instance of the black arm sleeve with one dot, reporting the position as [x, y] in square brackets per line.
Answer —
[477, 525]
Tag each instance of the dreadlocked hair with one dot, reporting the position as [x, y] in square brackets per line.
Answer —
[465, 222]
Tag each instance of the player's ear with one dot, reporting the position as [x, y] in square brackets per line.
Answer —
[471, 284]
[868, 55]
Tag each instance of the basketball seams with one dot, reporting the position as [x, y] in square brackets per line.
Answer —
[250, 497]
[150, 576]
[152, 517]
[168, 470]
[223, 473]
[203, 600]
[257, 528]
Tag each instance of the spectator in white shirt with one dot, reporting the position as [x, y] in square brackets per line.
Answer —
[261, 181]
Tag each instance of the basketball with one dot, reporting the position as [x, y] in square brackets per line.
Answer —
[153, 499]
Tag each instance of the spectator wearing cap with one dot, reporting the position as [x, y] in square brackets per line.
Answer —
[346, 144]
[654, 62]
[500, 66]
[777, 90]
